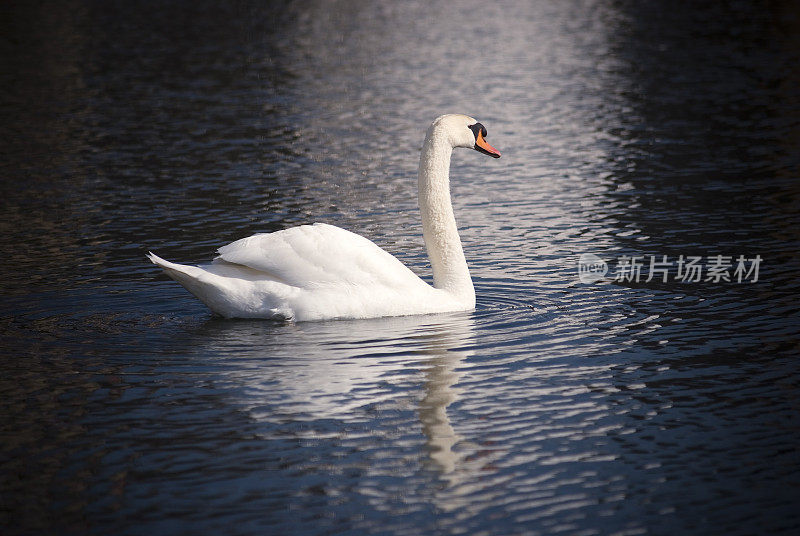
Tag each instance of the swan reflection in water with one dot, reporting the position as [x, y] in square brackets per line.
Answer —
[440, 391]
[347, 370]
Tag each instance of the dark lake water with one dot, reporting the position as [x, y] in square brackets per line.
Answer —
[628, 129]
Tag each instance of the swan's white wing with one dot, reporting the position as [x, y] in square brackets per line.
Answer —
[320, 255]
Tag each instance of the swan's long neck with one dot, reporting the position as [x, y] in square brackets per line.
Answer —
[450, 272]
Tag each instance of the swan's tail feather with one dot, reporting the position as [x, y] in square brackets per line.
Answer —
[178, 269]
[199, 282]
[219, 292]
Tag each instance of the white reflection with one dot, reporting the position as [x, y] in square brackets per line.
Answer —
[440, 391]
[345, 370]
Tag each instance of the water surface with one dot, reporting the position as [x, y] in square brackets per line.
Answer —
[626, 128]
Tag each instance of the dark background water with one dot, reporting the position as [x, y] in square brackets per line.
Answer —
[627, 128]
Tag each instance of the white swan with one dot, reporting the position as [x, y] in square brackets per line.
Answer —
[316, 272]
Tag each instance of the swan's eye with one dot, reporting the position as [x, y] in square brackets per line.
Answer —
[476, 129]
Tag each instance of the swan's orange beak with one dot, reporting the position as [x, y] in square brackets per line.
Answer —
[482, 146]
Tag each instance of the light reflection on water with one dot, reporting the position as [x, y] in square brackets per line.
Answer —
[626, 128]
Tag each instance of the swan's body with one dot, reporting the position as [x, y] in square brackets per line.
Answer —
[316, 272]
[311, 272]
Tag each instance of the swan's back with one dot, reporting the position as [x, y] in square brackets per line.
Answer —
[319, 256]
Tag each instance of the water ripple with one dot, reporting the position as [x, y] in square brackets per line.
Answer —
[555, 407]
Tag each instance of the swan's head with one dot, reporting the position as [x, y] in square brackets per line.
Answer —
[463, 131]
